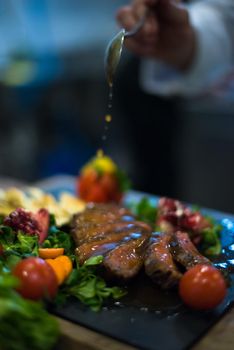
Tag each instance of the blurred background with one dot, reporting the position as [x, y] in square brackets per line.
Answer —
[53, 99]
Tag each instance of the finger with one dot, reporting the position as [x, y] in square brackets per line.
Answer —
[142, 41]
[139, 9]
[141, 50]
[150, 27]
[171, 11]
[125, 17]
[151, 3]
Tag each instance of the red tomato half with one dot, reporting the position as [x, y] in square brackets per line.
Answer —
[96, 194]
[202, 287]
[37, 279]
[109, 183]
[98, 189]
[84, 182]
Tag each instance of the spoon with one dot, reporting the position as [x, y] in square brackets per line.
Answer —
[114, 49]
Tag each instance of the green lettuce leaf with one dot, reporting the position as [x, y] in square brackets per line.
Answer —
[85, 285]
[211, 243]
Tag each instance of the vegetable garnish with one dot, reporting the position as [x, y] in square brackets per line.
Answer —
[145, 211]
[37, 279]
[57, 238]
[62, 266]
[85, 285]
[17, 243]
[24, 324]
[101, 181]
[211, 243]
[202, 287]
[28, 222]
[50, 253]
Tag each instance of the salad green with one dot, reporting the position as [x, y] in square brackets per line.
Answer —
[86, 285]
[23, 324]
[145, 211]
[58, 238]
[211, 242]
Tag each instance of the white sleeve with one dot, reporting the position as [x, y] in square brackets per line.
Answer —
[213, 58]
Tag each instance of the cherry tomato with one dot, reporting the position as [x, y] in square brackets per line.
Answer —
[85, 181]
[96, 194]
[92, 187]
[37, 279]
[202, 287]
[109, 183]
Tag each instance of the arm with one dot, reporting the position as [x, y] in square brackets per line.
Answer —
[197, 52]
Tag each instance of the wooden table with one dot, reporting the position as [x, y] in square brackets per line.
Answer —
[74, 337]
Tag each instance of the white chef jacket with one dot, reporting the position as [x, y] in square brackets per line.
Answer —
[213, 21]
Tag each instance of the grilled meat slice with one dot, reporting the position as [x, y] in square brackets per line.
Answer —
[102, 213]
[100, 231]
[113, 232]
[126, 260]
[127, 245]
[95, 219]
[184, 251]
[101, 245]
[159, 264]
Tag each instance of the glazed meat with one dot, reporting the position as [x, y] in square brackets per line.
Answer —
[159, 264]
[97, 220]
[113, 232]
[101, 244]
[184, 251]
[127, 245]
[126, 260]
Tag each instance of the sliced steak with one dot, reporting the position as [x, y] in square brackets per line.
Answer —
[159, 264]
[113, 232]
[126, 260]
[184, 251]
[99, 231]
[127, 245]
[95, 220]
[103, 244]
[102, 213]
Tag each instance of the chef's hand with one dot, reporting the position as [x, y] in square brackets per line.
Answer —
[167, 34]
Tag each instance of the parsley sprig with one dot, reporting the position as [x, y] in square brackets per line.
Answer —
[87, 286]
[145, 211]
[58, 238]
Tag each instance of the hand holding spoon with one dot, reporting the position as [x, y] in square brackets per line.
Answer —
[114, 49]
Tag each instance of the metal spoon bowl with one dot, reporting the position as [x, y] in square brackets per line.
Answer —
[114, 50]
